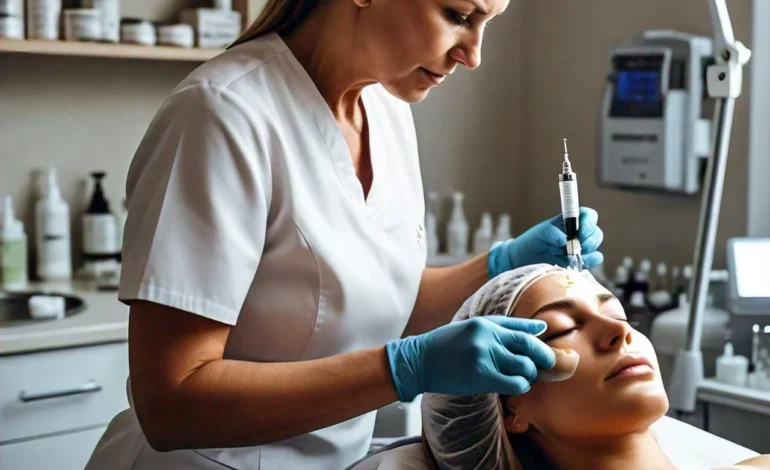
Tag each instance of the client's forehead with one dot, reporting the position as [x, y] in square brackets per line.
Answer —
[562, 285]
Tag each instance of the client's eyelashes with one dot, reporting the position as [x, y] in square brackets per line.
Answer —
[561, 334]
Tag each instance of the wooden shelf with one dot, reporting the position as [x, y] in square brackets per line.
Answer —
[111, 51]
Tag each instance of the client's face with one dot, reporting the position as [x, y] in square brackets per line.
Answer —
[617, 387]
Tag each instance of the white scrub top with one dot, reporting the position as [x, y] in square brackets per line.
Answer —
[244, 207]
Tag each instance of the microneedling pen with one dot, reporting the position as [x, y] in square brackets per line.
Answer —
[570, 209]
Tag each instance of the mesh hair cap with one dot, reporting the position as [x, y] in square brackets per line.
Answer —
[465, 432]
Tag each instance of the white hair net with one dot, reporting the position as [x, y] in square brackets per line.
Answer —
[466, 431]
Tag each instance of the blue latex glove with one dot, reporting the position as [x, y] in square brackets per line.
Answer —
[492, 354]
[546, 243]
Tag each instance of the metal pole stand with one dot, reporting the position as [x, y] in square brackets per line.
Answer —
[724, 84]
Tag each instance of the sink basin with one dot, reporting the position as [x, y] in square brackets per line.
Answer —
[14, 310]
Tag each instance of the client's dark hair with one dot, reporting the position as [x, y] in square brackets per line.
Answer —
[527, 452]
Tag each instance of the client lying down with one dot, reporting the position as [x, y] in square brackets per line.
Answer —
[601, 408]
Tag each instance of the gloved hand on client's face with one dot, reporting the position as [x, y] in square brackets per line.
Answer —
[546, 243]
[493, 354]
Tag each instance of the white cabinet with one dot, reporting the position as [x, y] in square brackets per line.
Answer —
[69, 451]
[54, 405]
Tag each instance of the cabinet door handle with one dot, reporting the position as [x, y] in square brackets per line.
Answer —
[88, 387]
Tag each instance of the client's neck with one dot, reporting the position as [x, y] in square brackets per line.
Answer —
[636, 450]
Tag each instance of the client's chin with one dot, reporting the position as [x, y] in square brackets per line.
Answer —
[638, 407]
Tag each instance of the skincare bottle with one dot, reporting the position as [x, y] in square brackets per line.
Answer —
[100, 227]
[732, 369]
[457, 229]
[431, 224]
[482, 238]
[503, 231]
[52, 232]
[642, 277]
[121, 221]
[13, 249]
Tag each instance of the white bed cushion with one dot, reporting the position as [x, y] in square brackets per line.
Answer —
[690, 448]
[407, 457]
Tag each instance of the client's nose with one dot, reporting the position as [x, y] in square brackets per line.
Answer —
[617, 334]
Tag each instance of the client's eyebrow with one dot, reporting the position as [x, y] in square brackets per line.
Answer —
[567, 304]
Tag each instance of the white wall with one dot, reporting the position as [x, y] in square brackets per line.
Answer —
[78, 115]
[469, 128]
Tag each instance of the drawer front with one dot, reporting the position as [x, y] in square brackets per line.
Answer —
[65, 452]
[61, 390]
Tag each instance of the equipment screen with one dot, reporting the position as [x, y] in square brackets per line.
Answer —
[637, 86]
[752, 269]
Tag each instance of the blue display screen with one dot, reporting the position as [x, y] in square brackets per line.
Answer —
[638, 92]
[638, 86]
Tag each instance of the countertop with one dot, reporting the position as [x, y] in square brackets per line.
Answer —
[103, 320]
[755, 401]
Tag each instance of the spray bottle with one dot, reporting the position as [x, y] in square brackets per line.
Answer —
[482, 238]
[13, 249]
[457, 229]
[503, 230]
[431, 224]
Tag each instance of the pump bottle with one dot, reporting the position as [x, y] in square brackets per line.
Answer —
[52, 237]
[100, 227]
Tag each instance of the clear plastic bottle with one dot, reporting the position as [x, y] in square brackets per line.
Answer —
[52, 232]
[503, 231]
[457, 229]
[482, 238]
[431, 224]
[659, 298]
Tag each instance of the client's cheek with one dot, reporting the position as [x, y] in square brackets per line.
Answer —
[567, 361]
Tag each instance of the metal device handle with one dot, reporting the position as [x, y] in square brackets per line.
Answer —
[88, 387]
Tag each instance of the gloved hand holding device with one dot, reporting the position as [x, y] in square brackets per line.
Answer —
[546, 243]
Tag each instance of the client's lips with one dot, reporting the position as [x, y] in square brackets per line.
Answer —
[628, 362]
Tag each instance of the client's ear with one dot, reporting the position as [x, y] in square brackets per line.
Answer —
[514, 421]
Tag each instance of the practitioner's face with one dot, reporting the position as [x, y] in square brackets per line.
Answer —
[413, 45]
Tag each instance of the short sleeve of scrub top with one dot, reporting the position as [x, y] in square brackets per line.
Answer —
[201, 184]
[244, 207]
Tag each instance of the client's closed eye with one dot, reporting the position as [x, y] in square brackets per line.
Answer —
[561, 334]
[567, 331]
